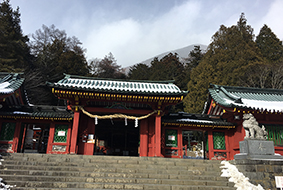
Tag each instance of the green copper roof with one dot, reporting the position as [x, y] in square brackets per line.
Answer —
[10, 82]
[250, 98]
[118, 86]
[37, 111]
[196, 119]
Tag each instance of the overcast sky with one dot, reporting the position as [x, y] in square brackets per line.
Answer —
[135, 30]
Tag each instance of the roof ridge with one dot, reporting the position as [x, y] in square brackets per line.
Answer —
[236, 99]
[249, 89]
[67, 76]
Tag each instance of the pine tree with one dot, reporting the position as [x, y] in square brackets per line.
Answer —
[139, 72]
[168, 68]
[230, 53]
[267, 74]
[269, 45]
[194, 57]
[14, 51]
[106, 68]
[54, 54]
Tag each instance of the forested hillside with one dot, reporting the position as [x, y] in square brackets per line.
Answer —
[235, 56]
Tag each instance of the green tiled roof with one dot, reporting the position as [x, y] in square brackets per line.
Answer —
[249, 98]
[37, 111]
[10, 82]
[196, 119]
[118, 86]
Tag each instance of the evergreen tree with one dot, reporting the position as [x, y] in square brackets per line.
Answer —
[168, 68]
[139, 72]
[106, 68]
[267, 74]
[14, 51]
[194, 57]
[269, 45]
[55, 53]
[230, 53]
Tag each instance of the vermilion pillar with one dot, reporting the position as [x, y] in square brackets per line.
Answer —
[210, 145]
[88, 147]
[158, 136]
[50, 138]
[75, 132]
[144, 137]
[16, 136]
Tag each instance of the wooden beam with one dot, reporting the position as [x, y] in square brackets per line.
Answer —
[122, 111]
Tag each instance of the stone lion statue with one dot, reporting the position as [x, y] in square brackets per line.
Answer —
[252, 129]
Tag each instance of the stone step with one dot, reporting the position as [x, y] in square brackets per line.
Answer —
[76, 185]
[46, 178]
[108, 171]
[46, 172]
[109, 161]
[114, 159]
[124, 174]
[133, 179]
[92, 166]
[42, 188]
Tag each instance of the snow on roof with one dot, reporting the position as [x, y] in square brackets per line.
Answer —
[21, 113]
[122, 85]
[270, 100]
[276, 106]
[4, 88]
[193, 120]
[118, 86]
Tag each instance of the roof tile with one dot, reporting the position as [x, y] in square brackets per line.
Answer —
[249, 98]
[10, 82]
[118, 86]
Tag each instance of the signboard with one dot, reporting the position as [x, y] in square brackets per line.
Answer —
[171, 139]
[61, 133]
[279, 182]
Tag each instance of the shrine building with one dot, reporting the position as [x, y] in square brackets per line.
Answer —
[26, 127]
[266, 105]
[132, 118]
[119, 117]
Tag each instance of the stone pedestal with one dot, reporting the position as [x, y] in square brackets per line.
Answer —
[253, 149]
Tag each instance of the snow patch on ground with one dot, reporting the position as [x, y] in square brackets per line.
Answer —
[241, 182]
[3, 185]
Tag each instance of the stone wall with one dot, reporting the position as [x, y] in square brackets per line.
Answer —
[261, 172]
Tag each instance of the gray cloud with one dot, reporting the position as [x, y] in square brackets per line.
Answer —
[135, 30]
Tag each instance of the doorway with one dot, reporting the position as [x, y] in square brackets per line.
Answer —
[193, 144]
[35, 138]
[117, 137]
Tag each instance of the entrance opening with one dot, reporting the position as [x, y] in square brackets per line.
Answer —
[117, 137]
[36, 138]
[193, 144]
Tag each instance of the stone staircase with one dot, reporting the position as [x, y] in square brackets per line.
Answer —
[70, 172]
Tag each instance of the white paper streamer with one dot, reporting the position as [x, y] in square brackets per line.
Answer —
[126, 121]
[96, 121]
[136, 122]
